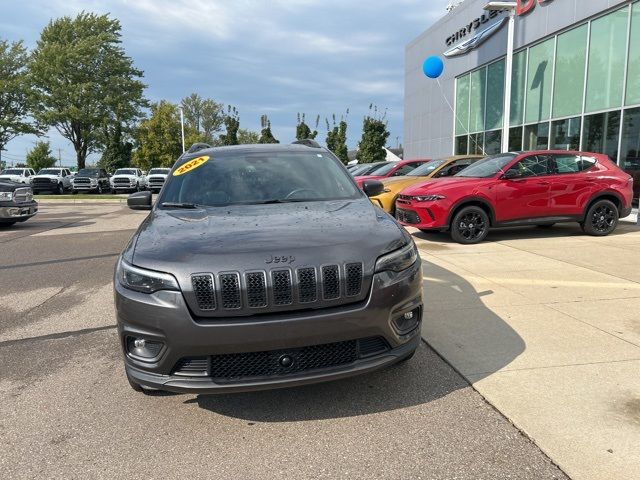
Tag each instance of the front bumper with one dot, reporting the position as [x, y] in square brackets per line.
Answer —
[164, 317]
[422, 215]
[13, 212]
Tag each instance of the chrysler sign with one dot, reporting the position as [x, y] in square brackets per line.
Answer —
[478, 31]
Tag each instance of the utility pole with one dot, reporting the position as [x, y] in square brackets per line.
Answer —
[59, 157]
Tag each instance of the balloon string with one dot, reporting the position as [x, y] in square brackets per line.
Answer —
[456, 117]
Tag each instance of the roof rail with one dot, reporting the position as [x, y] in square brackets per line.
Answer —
[307, 142]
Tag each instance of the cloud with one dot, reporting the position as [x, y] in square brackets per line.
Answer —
[278, 57]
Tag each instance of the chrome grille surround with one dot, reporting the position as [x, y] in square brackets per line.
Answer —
[23, 195]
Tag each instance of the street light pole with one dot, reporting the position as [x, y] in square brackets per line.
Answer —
[509, 7]
[182, 125]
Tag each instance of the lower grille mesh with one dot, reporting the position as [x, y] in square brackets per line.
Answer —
[235, 367]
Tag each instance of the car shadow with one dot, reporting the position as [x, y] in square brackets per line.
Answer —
[525, 233]
[423, 379]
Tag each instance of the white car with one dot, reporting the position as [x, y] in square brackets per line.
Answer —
[127, 179]
[18, 175]
[156, 178]
[54, 179]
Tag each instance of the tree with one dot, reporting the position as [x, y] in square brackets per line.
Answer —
[117, 152]
[204, 116]
[265, 135]
[14, 93]
[158, 138]
[374, 137]
[40, 156]
[232, 124]
[337, 138]
[83, 80]
[247, 136]
[303, 131]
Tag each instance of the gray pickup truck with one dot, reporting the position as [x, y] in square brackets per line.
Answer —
[16, 203]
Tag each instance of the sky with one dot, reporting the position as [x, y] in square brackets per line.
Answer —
[273, 57]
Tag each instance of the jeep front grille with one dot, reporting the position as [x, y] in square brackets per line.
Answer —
[256, 289]
[203, 287]
[230, 291]
[305, 287]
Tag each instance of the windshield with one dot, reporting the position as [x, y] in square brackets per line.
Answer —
[88, 172]
[426, 169]
[159, 170]
[384, 169]
[125, 171]
[12, 171]
[49, 171]
[255, 178]
[369, 169]
[488, 167]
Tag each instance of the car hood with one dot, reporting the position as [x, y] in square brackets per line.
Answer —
[14, 178]
[259, 237]
[10, 186]
[438, 185]
[46, 176]
[124, 176]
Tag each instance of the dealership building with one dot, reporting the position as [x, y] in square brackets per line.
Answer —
[575, 82]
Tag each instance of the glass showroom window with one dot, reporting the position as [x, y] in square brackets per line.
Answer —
[571, 55]
[536, 137]
[633, 73]
[601, 133]
[462, 105]
[462, 145]
[630, 153]
[495, 96]
[476, 144]
[607, 51]
[515, 139]
[492, 142]
[478, 100]
[518, 85]
[565, 134]
[539, 81]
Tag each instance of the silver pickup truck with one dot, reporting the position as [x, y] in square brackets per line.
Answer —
[16, 203]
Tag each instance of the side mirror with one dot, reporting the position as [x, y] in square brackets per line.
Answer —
[510, 174]
[372, 187]
[139, 201]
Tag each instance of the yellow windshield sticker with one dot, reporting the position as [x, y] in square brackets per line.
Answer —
[190, 165]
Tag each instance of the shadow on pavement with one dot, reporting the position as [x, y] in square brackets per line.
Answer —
[423, 379]
[525, 233]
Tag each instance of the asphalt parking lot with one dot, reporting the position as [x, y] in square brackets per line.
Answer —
[66, 410]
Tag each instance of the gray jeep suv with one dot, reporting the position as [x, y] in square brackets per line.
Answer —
[264, 266]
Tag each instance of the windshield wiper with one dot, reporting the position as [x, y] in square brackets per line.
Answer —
[179, 205]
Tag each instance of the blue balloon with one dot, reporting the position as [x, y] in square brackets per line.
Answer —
[433, 67]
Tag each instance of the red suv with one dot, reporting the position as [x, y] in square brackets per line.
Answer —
[531, 188]
[392, 169]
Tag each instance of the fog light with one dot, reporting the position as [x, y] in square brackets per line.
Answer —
[407, 322]
[142, 348]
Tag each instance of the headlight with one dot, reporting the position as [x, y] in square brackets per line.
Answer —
[6, 196]
[398, 260]
[145, 281]
[428, 198]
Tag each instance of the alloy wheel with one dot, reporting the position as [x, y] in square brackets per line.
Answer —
[471, 226]
[603, 218]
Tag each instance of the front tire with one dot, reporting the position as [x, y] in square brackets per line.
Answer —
[60, 189]
[601, 219]
[470, 225]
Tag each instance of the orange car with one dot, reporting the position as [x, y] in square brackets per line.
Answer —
[445, 167]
